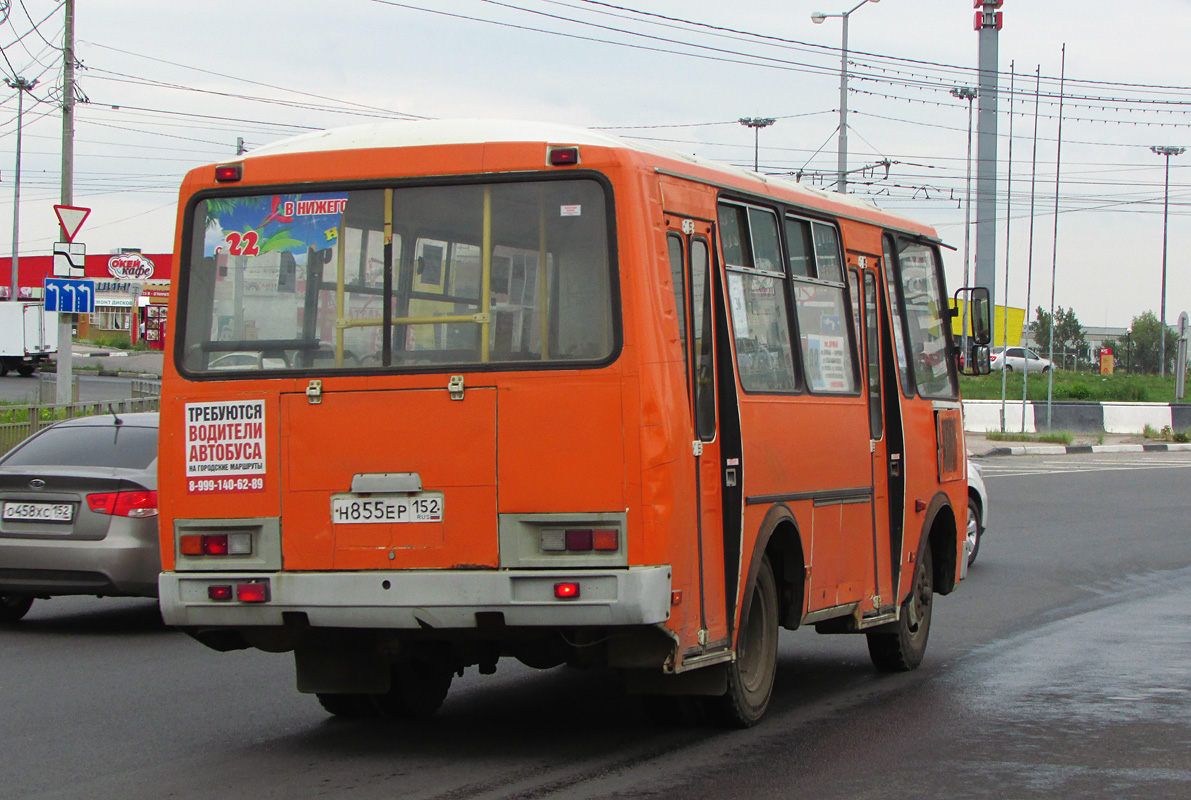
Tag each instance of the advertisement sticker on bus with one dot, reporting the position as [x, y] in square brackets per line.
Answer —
[254, 226]
[225, 446]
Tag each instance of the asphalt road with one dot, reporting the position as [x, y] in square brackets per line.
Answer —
[1057, 670]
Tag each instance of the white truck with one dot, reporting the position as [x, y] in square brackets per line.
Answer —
[28, 336]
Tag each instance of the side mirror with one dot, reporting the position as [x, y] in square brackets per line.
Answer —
[977, 361]
[979, 313]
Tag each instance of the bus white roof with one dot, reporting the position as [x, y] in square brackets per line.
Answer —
[421, 133]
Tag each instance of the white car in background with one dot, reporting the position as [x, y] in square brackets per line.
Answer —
[977, 509]
[1019, 359]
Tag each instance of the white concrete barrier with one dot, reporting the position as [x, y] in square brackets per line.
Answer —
[1133, 417]
[981, 416]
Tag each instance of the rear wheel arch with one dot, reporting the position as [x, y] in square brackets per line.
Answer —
[940, 532]
[779, 538]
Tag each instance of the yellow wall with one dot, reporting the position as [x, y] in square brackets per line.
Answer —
[1017, 318]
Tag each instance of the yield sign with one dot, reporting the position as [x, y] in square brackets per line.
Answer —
[71, 219]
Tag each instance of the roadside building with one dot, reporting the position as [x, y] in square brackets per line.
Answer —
[131, 294]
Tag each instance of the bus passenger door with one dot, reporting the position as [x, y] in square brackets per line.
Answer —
[884, 427]
[695, 293]
[890, 465]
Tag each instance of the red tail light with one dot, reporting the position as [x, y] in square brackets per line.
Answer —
[138, 504]
[564, 156]
[568, 590]
[252, 592]
[229, 173]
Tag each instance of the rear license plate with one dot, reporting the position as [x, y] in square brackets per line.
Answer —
[386, 509]
[39, 512]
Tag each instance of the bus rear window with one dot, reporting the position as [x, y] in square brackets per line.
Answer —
[431, 277]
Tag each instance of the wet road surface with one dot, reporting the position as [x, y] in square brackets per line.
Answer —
[1059, 669]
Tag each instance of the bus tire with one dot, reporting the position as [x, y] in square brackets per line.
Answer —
[751, 675]
[902, 648]
[348, 706]
[418, 690]
[14, 606]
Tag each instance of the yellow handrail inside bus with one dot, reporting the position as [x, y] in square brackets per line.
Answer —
[543, 318]
[486, 280]
[340, 295]
[364, 322]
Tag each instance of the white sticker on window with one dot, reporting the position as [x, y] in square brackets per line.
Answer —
[571, 211]
[740, 319]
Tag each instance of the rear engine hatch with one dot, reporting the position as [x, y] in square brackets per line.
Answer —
[423, 468]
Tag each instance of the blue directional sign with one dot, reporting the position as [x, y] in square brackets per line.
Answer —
[69, 296]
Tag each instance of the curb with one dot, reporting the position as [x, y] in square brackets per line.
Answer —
[1085, 449]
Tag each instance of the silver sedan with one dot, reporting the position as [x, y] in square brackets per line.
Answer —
[78, 512]
[977, 509]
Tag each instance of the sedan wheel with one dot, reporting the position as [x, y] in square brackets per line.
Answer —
[13, 607]
[974, 530]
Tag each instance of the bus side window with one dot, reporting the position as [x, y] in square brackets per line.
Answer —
[926, 333]
[876, 419]
[829, 343]
[802, 252]
[893, 287]
[704, 346]
[854, 291]
[827, 258]
[759, 303]
[678, 279]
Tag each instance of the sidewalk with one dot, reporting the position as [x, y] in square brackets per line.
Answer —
[980, 446]
[110, 361]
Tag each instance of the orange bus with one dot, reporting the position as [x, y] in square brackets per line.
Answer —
[445, 392]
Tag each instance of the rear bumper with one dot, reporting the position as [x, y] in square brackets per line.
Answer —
[125, 562]
[420, 599]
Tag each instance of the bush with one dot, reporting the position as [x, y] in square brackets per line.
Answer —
[1077, 391]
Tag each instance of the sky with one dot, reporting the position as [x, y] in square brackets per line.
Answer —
[172, 86]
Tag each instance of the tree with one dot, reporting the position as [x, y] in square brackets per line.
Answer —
[1068, 332]
[1143, 343]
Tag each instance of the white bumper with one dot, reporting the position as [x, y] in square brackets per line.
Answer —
[423, 598]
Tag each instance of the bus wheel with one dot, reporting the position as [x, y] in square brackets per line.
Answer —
[902, 649]
[13, 607]
[419, 689]
[751, 675]
[348, 706]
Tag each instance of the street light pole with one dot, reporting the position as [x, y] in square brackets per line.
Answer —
[1167, 152]
[22, 86]
[757, 123]
[841, 180]
[967, 93]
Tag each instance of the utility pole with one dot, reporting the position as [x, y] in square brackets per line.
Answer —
[988, 23]
[65, 379]
[841, 181]
[22, 86]
[1167, 152]
[969, 94]
[756, 123]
